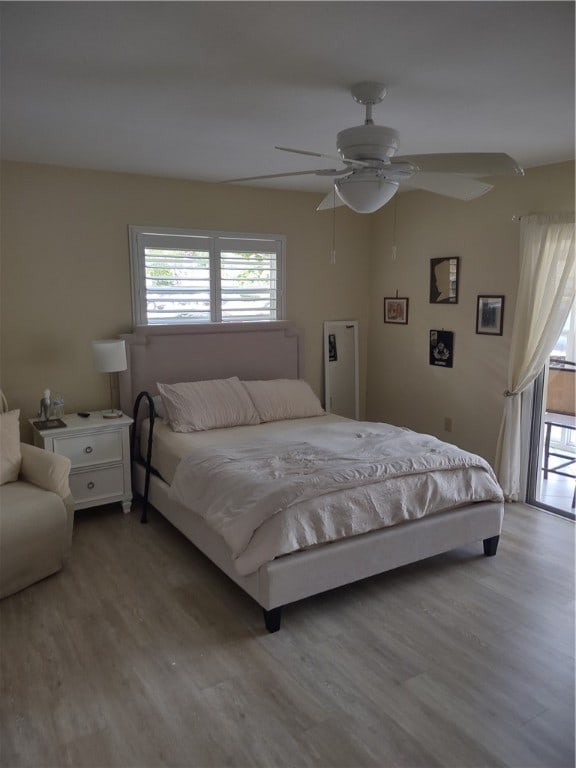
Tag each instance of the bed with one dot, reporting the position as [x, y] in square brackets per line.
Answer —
[255, 352]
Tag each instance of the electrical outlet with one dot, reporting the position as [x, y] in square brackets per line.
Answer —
[447, 424]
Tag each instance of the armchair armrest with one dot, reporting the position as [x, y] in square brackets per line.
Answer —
[45, 469]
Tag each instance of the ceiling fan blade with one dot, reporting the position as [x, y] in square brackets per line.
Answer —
[332, 200]
[448, 184]
[466, 163]
[355, 163]
[317, 172]
[307, 152]
[334, 172]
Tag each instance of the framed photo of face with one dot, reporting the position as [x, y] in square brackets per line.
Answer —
[395, 310]
[444, 280]
[490, 315]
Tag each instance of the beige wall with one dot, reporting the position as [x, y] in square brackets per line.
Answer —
[65, 280]
[402, 387]
[66, 271]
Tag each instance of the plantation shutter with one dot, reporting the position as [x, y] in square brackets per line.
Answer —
[182, 278]
[248, 280]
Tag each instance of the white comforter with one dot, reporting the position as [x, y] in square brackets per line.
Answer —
[274, 497]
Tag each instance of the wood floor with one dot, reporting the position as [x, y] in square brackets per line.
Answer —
[141, 653]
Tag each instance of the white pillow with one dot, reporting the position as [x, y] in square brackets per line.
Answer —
[10, 454]
[195, 406]
[283, 399]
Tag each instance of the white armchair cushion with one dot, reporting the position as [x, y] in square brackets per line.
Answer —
[45, 469]
[35, 535]
[10, 453]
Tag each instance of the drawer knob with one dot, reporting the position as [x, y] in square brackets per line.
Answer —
[90, 485]
[88, 449]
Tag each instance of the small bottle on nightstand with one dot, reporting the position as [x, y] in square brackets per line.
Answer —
[57, 406]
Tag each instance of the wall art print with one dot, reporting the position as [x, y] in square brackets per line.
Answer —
[395, 310]
[442, 348]
[444, 275]
[490, 315]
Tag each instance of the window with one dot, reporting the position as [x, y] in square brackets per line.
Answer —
[565, 347]
[184, 276]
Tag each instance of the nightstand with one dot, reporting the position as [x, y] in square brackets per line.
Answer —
[99, 450]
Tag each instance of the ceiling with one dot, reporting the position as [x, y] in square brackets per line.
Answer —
[204, 90]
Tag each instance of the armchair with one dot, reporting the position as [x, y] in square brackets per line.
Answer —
[36, 515]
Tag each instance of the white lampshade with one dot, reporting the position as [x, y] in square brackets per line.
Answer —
[365, 191]
[109, 355]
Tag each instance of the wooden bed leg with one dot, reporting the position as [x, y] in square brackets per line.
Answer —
[491, 545]
[272, 619]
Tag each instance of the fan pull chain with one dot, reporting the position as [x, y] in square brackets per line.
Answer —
[333, 251]
[394, 230]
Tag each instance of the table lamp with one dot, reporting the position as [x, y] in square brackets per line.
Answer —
[110, 357]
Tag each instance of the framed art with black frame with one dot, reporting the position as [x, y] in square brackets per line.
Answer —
[442, 348]
[444, 274]
[395, 310]
[490, 315]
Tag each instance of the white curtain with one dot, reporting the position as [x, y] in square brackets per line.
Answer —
[545, 295]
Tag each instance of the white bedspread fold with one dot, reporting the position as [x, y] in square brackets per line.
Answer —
[272, 497]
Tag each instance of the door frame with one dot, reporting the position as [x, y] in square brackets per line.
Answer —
[534, 474]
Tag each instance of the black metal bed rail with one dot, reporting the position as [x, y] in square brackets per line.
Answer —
[135, 455]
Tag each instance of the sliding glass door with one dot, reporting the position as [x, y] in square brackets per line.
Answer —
[552, 471]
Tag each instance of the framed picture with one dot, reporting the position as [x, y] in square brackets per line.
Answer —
[395, 310]
[490, 315]
[332, 349]
[442, 348]
[444, 280]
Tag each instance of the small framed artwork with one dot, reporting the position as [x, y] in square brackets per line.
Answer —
[395, 310]
[490, 315]
[332, 349]
[442, 348]
[444, 280]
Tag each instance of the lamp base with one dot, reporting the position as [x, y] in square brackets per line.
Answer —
[113, 414]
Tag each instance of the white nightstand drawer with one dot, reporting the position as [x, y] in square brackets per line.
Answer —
[87, 450]
[93, 485]
[99, 449]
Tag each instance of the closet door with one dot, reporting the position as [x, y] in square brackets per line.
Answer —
[341, 368]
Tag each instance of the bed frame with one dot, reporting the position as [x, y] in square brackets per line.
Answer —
[269, 351]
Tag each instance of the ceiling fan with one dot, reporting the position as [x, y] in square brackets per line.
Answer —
[372, 172]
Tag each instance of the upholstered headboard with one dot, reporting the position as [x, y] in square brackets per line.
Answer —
[173, 353]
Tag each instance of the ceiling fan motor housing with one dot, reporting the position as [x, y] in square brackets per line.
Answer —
[367, 142]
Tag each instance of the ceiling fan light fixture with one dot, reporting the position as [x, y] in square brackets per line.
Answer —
[365, 192]
[368, 142]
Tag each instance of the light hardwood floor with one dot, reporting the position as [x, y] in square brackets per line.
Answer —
[141, 653]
